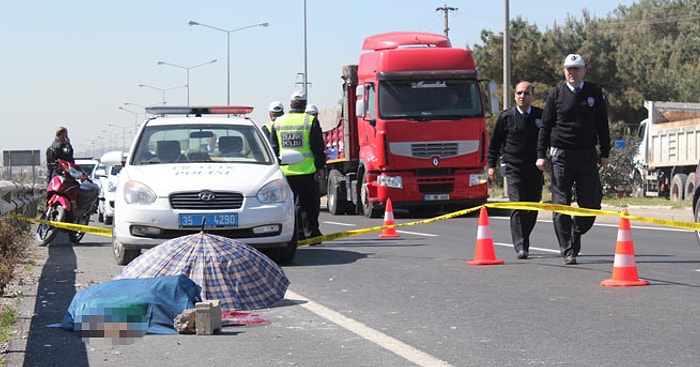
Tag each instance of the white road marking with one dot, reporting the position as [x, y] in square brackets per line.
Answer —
[419, 234]
[632, 226]
[531, 247]
[404, 232]
[385, 341]
[342, 224]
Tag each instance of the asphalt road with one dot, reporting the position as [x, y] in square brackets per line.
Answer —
[413, 300]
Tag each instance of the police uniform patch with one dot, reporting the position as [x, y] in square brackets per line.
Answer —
[591, 101]
[292, 140]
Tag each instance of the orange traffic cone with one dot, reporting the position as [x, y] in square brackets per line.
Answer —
[624, 272]
[484, 252]
[389, 221]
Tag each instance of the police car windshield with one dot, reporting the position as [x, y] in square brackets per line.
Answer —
[201, 143]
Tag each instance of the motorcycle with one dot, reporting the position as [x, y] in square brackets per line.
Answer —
[71, 198]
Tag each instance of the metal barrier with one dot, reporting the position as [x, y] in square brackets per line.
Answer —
[17, 198]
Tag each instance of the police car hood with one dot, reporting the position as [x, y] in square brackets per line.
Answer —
[168, 178]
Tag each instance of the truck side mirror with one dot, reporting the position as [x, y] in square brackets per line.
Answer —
[492, 88]
[360, 108]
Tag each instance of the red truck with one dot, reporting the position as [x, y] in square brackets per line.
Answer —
[410, 127]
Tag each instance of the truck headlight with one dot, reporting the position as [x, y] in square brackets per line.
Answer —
[394, 182]
[476, 179]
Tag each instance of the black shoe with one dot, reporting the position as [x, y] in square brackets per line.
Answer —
[576, 243]
[570, 260]
[522, 254]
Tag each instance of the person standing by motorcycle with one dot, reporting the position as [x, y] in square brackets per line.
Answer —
[59, 149]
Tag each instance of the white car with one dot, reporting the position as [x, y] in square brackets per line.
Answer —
[175, 183]
[106, 177]
[86, 164]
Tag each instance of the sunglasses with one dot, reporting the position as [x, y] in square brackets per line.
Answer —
[523, 93]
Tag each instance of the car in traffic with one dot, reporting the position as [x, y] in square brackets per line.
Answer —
[87, 164]
[176, 182]
[105, 175]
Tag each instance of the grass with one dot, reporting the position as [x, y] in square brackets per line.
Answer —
[8, 315]
[496, 192]
[650, 201]
[14, 241]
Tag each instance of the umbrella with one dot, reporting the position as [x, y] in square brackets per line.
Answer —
[238, 275]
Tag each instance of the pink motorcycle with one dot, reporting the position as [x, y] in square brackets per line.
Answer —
[71, 198]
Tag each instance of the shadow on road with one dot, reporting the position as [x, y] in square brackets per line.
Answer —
[55, 290]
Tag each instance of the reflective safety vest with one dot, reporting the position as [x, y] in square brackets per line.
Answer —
[293, 133]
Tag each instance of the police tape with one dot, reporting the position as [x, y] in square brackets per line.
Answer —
[100, 231]
[559, 208]
[569, 210]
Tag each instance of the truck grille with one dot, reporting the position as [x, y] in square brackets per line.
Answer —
[436, 185]
[427, 150]
[193, 200]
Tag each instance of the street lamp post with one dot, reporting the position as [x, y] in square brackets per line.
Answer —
[108, 134]
[162, 89]
[123, 134]
[228, 49]
[187, 68]
[136, 118]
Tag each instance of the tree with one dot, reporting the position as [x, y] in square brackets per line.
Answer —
[647, 51]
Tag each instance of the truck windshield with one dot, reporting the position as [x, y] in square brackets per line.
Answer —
[429, 99]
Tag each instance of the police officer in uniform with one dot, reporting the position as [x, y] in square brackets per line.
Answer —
[302, 132]
[60, 149]
[574, 122]
[514, 139]
[275, 110]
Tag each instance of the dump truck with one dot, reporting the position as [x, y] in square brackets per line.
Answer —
[410, 127]
[668, 151]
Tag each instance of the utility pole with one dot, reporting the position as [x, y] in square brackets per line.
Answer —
[447, 10]
[304, 83]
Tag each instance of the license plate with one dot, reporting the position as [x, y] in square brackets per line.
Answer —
[209, 220]
[436, 197]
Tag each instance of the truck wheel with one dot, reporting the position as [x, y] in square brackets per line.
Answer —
[678, 187]
[336, 194]
[689, 186]
[369, 209]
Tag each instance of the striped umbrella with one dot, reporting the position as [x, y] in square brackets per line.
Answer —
[238, 275]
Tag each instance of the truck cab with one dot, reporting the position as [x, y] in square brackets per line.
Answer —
[412, 128]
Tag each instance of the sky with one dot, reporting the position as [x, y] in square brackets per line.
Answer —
[73, 63]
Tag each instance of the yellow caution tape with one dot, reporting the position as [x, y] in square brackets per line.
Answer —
[559, 208]
[100, 231]
[569, 210]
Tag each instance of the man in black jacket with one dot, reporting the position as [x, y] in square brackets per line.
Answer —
[514, 138]
[60, 149]
[574, 122]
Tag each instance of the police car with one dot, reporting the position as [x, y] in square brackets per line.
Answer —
[203, 168]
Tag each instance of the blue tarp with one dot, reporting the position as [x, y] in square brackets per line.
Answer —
[148, 305]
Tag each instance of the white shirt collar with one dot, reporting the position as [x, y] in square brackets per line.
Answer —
[521, 111]
[572, 88]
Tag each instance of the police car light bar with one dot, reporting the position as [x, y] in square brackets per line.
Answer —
[213, 110]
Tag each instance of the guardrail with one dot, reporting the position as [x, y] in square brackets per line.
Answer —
[17, 198]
